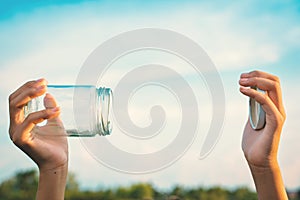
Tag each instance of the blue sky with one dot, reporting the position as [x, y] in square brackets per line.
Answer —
[52, 39]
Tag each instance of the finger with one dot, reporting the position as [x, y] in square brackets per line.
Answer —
[19, 137]
[26, 92]
[28, 85]
[261, 83]
[260, 74]
[19, 90]
[272, 87]
[272, 113]
[22, 96]
[49, 103]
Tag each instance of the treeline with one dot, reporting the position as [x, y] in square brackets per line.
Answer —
[23, 186]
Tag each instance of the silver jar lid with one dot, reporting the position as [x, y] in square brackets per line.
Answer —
[256, 113]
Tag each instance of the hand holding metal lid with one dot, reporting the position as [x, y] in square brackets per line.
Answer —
[260, 147]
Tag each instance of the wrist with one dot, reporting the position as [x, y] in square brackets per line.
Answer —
[53, 180]
[268, 181]
[44, 169]
[271, 166]
[56, 175]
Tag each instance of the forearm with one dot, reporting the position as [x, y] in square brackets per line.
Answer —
[269, 183]
[52, 183]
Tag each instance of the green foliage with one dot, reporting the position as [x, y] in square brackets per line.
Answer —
[214, 193]
[23, 186]
[141, 191]
[243, 194]
[294, 195]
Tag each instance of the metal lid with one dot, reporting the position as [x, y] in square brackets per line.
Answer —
[256, 113]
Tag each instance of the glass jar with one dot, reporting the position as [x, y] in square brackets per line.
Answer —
[85, 109]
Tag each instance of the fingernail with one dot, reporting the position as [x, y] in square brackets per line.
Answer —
[245, 75]
[41, 87]
[41, 80]
[55, 109]
[244, 89]
[244, 80]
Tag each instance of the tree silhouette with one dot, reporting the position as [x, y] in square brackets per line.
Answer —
[23, 185]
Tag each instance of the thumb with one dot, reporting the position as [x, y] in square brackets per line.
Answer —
[50, 103]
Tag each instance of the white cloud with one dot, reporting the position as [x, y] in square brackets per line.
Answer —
[230, 41]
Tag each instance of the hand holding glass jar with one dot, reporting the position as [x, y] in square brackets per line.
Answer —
[85, 109]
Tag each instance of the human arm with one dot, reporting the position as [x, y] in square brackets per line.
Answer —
[50, 153]
[260, 147]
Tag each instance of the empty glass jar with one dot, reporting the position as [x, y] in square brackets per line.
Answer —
[85, 109]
